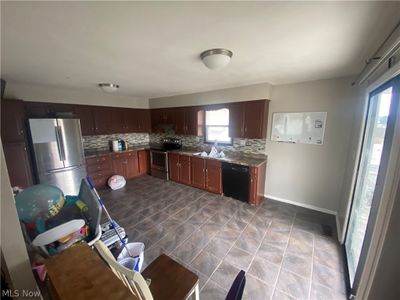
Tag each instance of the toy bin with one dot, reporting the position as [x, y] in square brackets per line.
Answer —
[134, 258]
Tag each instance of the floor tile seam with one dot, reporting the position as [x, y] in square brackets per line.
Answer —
[281, 264]
[312, 269]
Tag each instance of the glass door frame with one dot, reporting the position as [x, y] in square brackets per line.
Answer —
[395, 84]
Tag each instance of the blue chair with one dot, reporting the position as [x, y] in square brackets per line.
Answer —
[237, 288]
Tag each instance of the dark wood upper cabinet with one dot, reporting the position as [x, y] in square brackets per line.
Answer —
[236, 119]
[198, 168]
[142, 117]
[85, 114]
[12, 121]
[214, 176]
[18, 164]
[180, 124]
[102, 120]
[256, 119]
[37, 109]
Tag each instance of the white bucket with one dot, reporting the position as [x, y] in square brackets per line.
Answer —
[135, 249]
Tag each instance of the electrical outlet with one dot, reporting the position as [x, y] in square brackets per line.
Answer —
[242, 142]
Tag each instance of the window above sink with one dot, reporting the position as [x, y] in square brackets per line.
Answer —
[217, 126]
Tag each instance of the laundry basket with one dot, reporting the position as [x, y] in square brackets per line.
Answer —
[136, 252]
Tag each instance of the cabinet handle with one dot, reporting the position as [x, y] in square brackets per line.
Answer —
[24, 148]
[22, 132]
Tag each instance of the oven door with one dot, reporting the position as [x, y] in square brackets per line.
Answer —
[159, 164]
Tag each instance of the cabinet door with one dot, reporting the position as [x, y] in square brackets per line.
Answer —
[173, 166]
[130, 119]
[120, 166]
[102, 120]
[192, 121]
[61, 108]
[256, 113]
[213, 176]
[37, 109]
[198, 172]
[85, 114]
[236, 120]
[144, 162]
[180, 126]
[143, 120]
[116, 118]
[253, 191]
[184, 169]
[156, 120]
[12, 120]
[18, 164]
[133, 165]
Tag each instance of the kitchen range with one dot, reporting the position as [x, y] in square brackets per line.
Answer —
[159, 156]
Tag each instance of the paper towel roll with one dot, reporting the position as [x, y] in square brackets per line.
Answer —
[115, 146]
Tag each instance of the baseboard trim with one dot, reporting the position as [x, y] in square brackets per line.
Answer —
[313, 207]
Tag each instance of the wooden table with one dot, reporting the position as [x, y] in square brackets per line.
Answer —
[169, 279]
[79, 273]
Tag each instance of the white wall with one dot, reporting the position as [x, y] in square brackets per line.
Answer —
[41, 93]
[244, 93]
[12, 242]
[312, 175]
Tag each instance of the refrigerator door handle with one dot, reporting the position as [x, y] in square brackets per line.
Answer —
[60, 143]
[63, 169]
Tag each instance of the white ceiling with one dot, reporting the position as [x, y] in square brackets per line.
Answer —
[152, 48]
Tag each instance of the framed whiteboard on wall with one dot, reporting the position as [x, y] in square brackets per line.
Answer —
[299, 127]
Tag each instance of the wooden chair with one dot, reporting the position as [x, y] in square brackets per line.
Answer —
[133, 280]
[169, 279]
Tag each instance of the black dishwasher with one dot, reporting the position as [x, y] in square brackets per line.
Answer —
[235, 181]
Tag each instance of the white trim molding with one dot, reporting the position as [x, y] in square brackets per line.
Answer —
[313, 207]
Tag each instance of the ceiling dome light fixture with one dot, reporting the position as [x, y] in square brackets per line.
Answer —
[216, 58]
[109, 87]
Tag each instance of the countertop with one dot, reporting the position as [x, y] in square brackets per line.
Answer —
[240, 158]
[106, 151]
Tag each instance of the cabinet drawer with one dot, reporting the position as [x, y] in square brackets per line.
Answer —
[97, 160]
[124, 155]
[99, 167]
[101, 174]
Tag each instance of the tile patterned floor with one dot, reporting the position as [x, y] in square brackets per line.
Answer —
[284, 249]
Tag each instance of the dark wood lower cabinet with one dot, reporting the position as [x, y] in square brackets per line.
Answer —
[213, 176]
[179, 168]
[144, 162]
[18, 164]
[257, 184]
[198, 172]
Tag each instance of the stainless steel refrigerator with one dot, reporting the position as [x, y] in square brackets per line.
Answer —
[58, 153]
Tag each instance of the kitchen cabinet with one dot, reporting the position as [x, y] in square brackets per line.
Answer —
[188, 119]
[179, 168]
[85, 114]
[18, 164]
[213, 176]
[37, 109]
[257, 184]
[12, 121]
[198, 172]
[173, 166]
[144, 162]
[248, 119]
[126, 164]
[160, 117]
[102, 122]
[99, 169]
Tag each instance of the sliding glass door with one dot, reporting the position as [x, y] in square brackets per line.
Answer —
[372, 167]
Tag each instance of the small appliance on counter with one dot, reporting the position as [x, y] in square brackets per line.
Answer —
[119, 145]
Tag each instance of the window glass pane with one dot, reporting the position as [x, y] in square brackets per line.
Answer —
[218, 133]
[217, 117]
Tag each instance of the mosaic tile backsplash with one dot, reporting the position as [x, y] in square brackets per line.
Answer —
[248, 146]
[103, 141]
